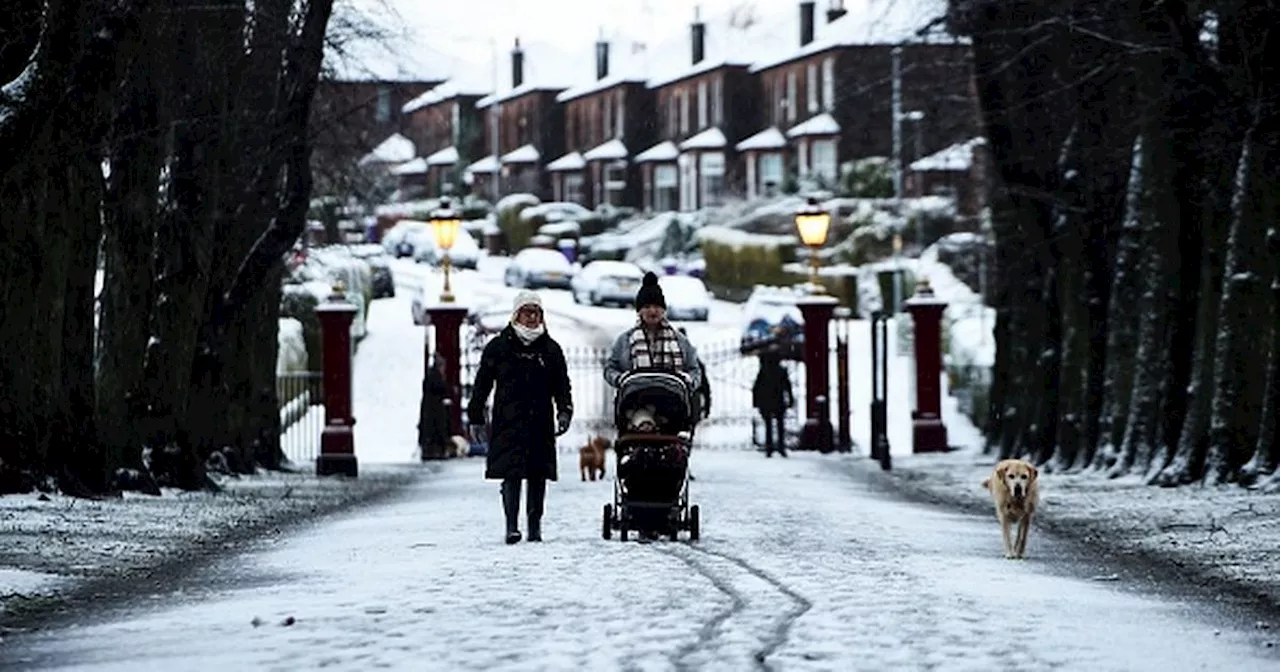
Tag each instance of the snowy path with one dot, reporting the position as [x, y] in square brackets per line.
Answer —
[801, 567]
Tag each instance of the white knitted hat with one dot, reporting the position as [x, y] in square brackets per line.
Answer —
[526, 298]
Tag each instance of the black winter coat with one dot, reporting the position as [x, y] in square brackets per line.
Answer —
[525, 379]
[771, 393]
[433, 419]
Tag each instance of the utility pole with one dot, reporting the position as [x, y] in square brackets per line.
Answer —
[496, 116]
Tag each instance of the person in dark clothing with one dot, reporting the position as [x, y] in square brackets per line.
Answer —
[771, 395]
[433, 416]
[525, 370]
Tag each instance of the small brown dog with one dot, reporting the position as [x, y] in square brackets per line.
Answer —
[591, 457]
[1015, 493]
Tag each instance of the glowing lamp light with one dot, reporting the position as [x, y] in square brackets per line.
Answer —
[813, 224]
[445, 225]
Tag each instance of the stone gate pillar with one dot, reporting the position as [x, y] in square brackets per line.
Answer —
[447, 320]
[928, 433]
[817, 311]
[337, 440]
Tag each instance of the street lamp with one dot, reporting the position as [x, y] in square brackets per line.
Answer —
[444, 226]
[812, 222]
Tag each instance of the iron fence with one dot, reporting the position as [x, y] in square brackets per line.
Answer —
[301, 402]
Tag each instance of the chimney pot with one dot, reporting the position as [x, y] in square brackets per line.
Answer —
[602, 59]
[806, 22]
[698, 33]
[517, 65]
[836, 10]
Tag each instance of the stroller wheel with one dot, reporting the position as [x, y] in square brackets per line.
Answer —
[622, 531]
[606, 529]
[695, 525]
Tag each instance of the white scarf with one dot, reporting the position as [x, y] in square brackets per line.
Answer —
[528, 335]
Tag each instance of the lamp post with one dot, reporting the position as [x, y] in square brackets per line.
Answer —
[444, 226]
[813, 223]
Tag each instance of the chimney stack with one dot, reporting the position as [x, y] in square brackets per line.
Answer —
[836, 10]
[699, 35]
[806, 22]
[602, 58]
[517, 65]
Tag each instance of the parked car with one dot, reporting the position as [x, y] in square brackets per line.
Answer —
[687, 297]
[465, 252]
[772, 313]
[604, 281]
[398, 240]
[537, 267]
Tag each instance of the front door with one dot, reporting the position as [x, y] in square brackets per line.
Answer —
[688, 182]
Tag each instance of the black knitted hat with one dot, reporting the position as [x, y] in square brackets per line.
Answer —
[650, 293]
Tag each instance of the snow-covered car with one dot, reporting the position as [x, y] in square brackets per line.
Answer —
[465, 252]
[772, 312]
[687, 297]
[399, 239]
[538, 267]
[604, 281]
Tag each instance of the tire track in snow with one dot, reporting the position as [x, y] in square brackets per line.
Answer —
[713, 629]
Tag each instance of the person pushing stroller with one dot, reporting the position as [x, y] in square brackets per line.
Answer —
[653, 343]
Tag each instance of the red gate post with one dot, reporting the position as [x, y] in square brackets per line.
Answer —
[928, 433]
[817, 311]
[337, 441]
[446, 319]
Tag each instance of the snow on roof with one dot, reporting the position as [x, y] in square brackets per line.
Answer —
[570, 161]
[486, 165]
[822, 124]
[395, 149]
[445, 92]
[417, 166]
[627, 63]
[957, 157]
[663, 151]
[712, 138]
[546, 68]
[445, 157]
[769, 138]
[609, 151]
[522, 154]
[739, 36]
[868, 22]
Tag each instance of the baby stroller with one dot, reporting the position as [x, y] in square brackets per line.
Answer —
[651, 487]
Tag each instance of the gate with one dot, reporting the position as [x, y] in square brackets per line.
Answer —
[301, 399]
[880, 389]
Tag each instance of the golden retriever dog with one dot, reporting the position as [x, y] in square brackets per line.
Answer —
[591, 458]
[1015, 493]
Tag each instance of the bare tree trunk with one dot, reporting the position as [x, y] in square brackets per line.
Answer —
[1237, 383]
[1074, 365]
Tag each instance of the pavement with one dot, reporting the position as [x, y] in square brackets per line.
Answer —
[803, 565]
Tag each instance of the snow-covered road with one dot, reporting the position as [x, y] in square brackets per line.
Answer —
[801, 567]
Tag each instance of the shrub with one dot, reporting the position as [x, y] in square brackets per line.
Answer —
[737, 260]
[516, 230]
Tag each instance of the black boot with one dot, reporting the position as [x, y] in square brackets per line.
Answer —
[511, 508]
[534, 506]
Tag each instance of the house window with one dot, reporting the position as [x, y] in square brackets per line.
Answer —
[791, 96]
[811, 87]
[717, 101]
[671, 115]
[829, 83]
[823, 160]
[770, 174]
[607, 109]
[618, 118]
[711, 170]
[573, 187]
[684, 112]
[665, 184]
[382, 109]
[702, 104]
[615, 182]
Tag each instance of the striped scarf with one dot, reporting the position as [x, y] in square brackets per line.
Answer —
[659, 351]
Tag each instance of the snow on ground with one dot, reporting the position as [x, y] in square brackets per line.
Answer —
[801, 567]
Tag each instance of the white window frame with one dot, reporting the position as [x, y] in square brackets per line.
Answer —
[811, 87]
[830, 168]
[778, 174]
[791, 96]
[717, 101]
[620, 115]
[711, 173]
[684, 111]
[829, 83]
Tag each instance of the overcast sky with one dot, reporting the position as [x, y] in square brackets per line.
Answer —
[464, 28]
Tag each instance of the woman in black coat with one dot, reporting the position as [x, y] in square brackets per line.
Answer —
[526, 370]
[433, 417]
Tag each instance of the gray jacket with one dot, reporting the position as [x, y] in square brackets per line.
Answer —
[620, 359]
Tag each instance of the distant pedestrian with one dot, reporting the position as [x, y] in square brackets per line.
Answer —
[771, 395]
[525, 370]
[433, 414]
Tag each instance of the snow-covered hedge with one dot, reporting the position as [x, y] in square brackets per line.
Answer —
[291, 347]
[298, 302]
[737, 260]
[516, 230]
